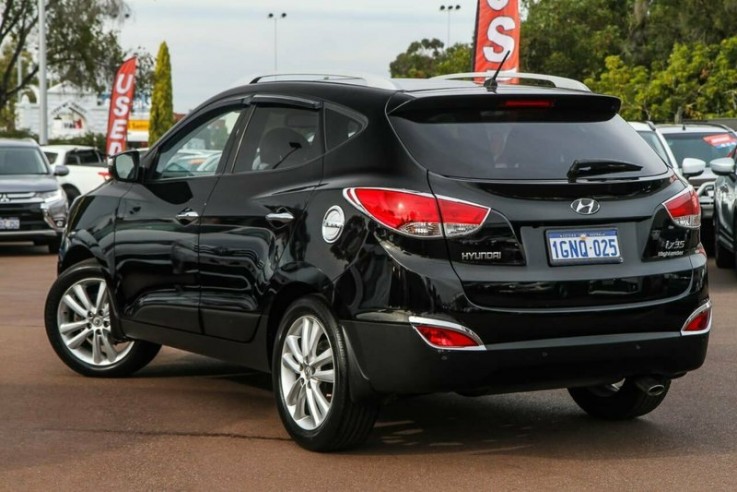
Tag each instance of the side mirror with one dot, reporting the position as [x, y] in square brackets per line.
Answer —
[724, 166]
[124, 166]
[692, 167]
[61, 170]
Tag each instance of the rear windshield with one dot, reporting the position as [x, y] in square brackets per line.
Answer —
[704, 146]
[494, 144]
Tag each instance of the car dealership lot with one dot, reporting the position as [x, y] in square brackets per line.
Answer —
[189, 423]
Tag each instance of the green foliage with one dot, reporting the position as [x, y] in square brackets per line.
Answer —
[81, 38]
[162, 108]
[571, 38]
[89, 139]
[698, 81]
[428, 58]
[627, 83]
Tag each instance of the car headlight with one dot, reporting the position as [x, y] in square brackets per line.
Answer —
[51, 196]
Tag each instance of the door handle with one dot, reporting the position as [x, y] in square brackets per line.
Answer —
[187, 216]
[279, 217]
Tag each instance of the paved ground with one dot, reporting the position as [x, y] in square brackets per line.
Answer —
[190, 423]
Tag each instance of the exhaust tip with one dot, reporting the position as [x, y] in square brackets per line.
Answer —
[650, 386]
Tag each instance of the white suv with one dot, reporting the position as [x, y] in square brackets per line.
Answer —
[87, 167]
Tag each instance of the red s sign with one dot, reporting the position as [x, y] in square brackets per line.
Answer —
[497, 32]
[121, 100]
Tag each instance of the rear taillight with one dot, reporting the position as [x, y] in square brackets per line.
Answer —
[684, 209]
[418, 214]
[446, 335]
[699, 322]
[104, 175]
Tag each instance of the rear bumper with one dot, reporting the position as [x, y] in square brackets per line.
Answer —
[393, 359]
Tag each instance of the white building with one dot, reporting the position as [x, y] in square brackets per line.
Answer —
[73, 113]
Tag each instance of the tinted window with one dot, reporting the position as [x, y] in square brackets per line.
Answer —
[21, 160]
[197, 152]
[89, 158]
[340, 128]
[51, 156]
[494, 144]
[71, 159]
[279, 137]
[704, 146]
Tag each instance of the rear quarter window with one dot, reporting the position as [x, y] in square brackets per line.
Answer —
[511, 145]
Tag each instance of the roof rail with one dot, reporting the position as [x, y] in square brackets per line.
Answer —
[559, 82]
[370, 80]
[709, 123]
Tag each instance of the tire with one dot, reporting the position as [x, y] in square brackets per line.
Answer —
[71, 193]
[54, 245]
[83, 341]
[317, 413]
[627, 403]
[722, 256]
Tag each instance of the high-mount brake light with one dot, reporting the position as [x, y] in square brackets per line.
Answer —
[527, 103]
[684, 209]
[418, 214]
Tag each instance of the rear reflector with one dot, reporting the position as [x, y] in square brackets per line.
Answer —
[446, 335]
[699, 322]
[418, 214]
[684, 209]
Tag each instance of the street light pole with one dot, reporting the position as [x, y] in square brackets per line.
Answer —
[276, 19]
[449, 9]
[43, 136]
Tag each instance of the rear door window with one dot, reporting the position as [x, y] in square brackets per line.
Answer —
[520, 145]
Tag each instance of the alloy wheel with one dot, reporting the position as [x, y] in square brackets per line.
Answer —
[83, 320]
[307, 372]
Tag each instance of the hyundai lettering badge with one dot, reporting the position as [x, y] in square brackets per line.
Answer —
[332, 224]
[585, 206]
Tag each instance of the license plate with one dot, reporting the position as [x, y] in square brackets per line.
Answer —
[9, 224]
[574, 247]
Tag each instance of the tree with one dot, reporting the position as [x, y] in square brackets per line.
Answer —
[162, 110]
[626, 82]
[571, 38]
[428, 58]
[81, 39]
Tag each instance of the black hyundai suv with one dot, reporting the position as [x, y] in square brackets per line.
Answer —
[364, 238]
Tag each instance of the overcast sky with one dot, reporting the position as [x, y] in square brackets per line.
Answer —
[214, 43]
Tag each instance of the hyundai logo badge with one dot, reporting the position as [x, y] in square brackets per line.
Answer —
[585, 206]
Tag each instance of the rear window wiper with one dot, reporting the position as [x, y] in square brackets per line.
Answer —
[595, 167]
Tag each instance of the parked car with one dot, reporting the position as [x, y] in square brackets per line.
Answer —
[394, 238]
[725, 220]
[655, 139]
[87, 168]
[33, 206]
[694, 144]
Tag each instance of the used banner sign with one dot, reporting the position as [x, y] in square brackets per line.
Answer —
[121, 100]
[497, 32]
